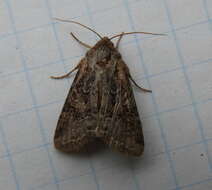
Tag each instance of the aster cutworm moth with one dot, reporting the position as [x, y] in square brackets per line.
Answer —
[100, 103]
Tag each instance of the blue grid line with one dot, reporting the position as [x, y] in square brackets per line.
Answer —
[145, 117]
[171, 164]
[7, 35]
[9, 157]
[124, 43]
[105, 168]
[204, 101]
[25, 30]
[101, 10]
[48, 7]
[26, 150]
[143, 77]
[196, 183]
[11, 73]
[207, 13]
[49, 24]
[203, 61]
[187, 81]
[54, 102]
[90, 17]
[62, 57]
[136, 183]
[30, 87]
[3, 36]
[187, 146]
[39, 66]
[93, 171]
[63, 180]
[167, 111]
[178, 148]
[31, 108]
[190, 25]
[154, 155]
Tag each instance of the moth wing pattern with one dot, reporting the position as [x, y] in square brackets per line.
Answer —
[75, 120]
[122, 127]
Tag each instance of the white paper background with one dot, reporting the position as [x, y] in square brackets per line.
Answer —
[176, 116]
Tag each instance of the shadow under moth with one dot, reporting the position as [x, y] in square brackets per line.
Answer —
[100, 103]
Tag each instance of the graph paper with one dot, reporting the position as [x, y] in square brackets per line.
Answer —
[176, 116]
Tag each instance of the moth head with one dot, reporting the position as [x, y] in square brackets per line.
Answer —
[104, 42]
[103, 52]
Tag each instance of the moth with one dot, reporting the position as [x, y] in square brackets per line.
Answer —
[100, 103]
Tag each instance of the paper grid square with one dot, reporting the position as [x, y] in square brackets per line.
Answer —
[158, 174]
[76, 183]
[49, 115]
[161, 49]
[42, 50]
[12, 102]
[191, 12]
[115, 178]
[10, 64]
[195, 43]
[40, 80]
[155, 20]
[68, 167]
[103, 19]
[169, 96]
[33, 169]
[180, 127]
[26, 123]
[6, 176]
[201, 86]
[29, 14]
[186, 170]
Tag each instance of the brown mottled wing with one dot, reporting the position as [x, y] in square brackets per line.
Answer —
[78, 113]
[100, 107]
[122, 126]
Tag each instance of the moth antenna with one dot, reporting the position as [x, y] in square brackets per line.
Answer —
[82, 43]
[127, 33]
[71, 21]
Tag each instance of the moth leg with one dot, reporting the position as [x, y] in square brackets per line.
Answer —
[143, 89]
[118, 42]
[82, 43]
[66, 75]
